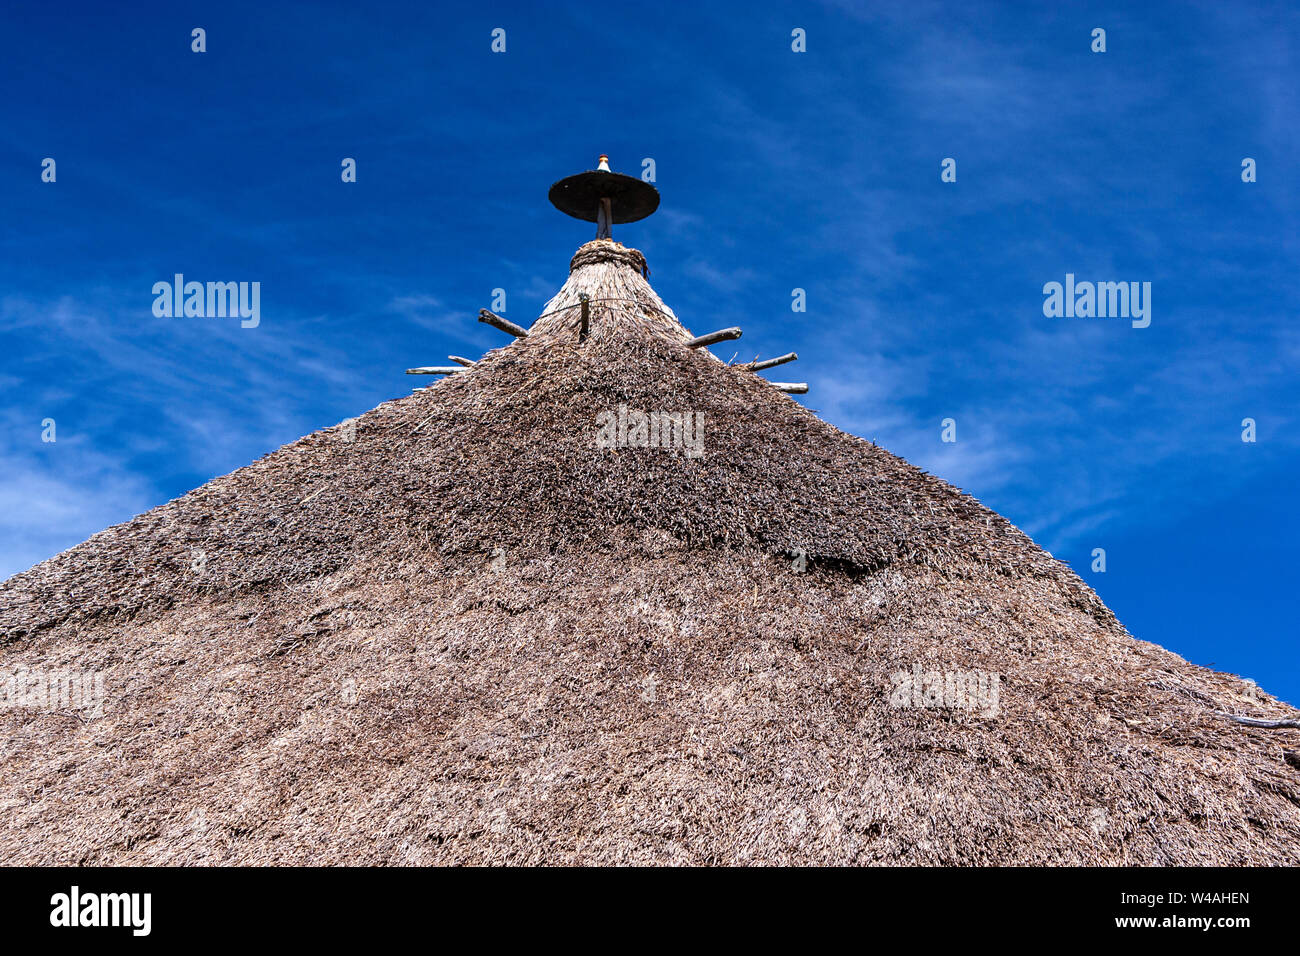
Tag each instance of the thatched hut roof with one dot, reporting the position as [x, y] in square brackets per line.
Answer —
[472, 634]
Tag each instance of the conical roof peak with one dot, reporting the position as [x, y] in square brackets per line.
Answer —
[613, 278]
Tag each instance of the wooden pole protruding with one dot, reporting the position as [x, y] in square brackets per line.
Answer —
[721, 335]
[604, 217]
[468, 363]
[505, 325]
[1260, 722]
[435, 370]
[773, 362]
[794, 388]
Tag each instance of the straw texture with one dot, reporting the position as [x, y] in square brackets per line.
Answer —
[470, 634]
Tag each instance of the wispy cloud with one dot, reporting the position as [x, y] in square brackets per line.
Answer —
[54, 495]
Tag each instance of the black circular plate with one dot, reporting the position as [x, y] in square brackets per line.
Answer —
[579, 196]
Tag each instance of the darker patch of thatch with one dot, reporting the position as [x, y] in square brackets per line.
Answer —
[472, 635]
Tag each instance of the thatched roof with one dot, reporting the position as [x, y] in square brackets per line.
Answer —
[473, 635]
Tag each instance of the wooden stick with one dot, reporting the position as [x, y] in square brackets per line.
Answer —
[720, 336]
[505, 325]
[795, 388]
[1257, 722]
[586, 316]
[435, 370]
[774, 362]
[468, 363]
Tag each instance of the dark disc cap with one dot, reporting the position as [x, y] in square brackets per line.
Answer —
[579, 196]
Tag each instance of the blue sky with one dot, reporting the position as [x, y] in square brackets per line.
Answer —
[818, 170]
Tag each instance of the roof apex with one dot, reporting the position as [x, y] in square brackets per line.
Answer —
[613, 278]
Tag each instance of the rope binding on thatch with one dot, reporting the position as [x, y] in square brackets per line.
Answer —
[596, 253]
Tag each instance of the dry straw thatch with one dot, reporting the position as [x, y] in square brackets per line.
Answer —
[470, 635]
